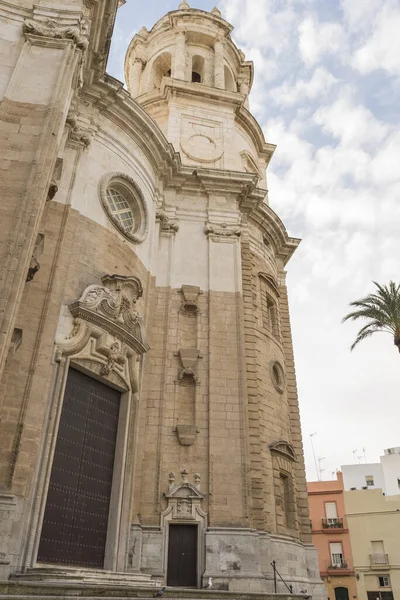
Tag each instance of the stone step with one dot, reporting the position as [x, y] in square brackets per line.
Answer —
[61, 576]
[34, 590]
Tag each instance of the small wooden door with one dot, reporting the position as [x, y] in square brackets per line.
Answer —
[182, 556]
[75, 521]
[341, 593]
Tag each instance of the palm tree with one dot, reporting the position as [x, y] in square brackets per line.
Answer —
[381, 310]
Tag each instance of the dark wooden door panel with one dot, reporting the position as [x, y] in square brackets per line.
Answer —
[182, 556]
[76, 516]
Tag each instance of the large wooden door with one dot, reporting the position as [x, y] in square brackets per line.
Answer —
[75, 521]
[182, 556]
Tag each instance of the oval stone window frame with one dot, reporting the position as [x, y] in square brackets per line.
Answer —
[278, 376]
[130, 191]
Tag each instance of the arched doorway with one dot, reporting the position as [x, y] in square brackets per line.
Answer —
[341, 593]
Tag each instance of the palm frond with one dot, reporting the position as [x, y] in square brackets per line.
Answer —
[381, 310]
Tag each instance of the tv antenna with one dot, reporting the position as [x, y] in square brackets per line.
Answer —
[315, 457]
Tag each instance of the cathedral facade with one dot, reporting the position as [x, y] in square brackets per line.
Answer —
[149, 420]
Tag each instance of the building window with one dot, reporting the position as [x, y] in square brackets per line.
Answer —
[268, 310]
[369, 480]
[285, 491]
[124, 205]
[336, 552]
[277, 376]
[384, 581]
[119, 206]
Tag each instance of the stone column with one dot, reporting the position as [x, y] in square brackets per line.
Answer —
[219, 73]
[33, 114]
[179, 70]
[136, 76]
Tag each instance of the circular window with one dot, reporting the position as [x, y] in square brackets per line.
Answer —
[125, 206]
[278, 376]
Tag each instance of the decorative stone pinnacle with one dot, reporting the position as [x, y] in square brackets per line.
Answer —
[215, 11]
[184, 5]
[184, 473]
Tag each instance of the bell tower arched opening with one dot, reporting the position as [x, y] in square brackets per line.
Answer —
[161, 68]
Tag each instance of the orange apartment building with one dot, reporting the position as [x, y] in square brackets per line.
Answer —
[330, 535]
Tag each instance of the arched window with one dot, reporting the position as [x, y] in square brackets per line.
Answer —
[198, 63]
[230, 83]
[161, 68]
[269, 309]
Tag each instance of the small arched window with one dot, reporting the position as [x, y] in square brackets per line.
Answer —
[161, 68]
[198, 65]
[269, 307]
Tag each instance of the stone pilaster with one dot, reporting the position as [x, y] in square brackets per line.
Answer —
[179, 68]
[294, 415]
[219, 74]
[32, 114]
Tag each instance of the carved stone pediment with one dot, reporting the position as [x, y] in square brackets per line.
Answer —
[184, 498]
[108, 333]
[113, 308]
[284, 449]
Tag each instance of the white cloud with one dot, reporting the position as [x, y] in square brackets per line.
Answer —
[350, 123]
[316, 39]
[318, 86]
[382, 50]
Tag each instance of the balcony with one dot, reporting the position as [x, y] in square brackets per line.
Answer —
[379, 560]
[336, 523]
[338, 566]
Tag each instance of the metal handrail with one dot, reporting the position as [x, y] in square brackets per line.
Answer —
[276, 572]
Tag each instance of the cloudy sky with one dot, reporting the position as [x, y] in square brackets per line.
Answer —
[327, 88]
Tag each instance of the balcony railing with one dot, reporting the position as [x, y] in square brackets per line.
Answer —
[337, 565]
[379, 559]
[336, 523]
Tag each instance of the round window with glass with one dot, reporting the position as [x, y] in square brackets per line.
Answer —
[125, 206]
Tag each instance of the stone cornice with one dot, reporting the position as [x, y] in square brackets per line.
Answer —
[114, 102]
[273, 228]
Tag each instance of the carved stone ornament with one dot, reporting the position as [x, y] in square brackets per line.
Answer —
[113, 307]
[283, 449]
[50, 28]
[108, 330]
[184, 498]
[34, 265]
[190, 295]
[186, 434]
[78, 134]
[189, 358]
[222, 230]
[167, 224]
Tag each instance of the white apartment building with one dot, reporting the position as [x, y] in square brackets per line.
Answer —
[384, 475]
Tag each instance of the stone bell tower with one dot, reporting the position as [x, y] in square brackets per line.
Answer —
[220, 381]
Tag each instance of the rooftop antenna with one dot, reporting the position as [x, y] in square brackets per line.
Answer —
[354, 454]
[333, 474]
[365, 455]
[313, 449]
[319, 466]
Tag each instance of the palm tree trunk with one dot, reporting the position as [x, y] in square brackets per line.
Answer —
[397, 341]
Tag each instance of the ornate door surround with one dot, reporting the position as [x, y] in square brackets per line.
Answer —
[106, 342]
